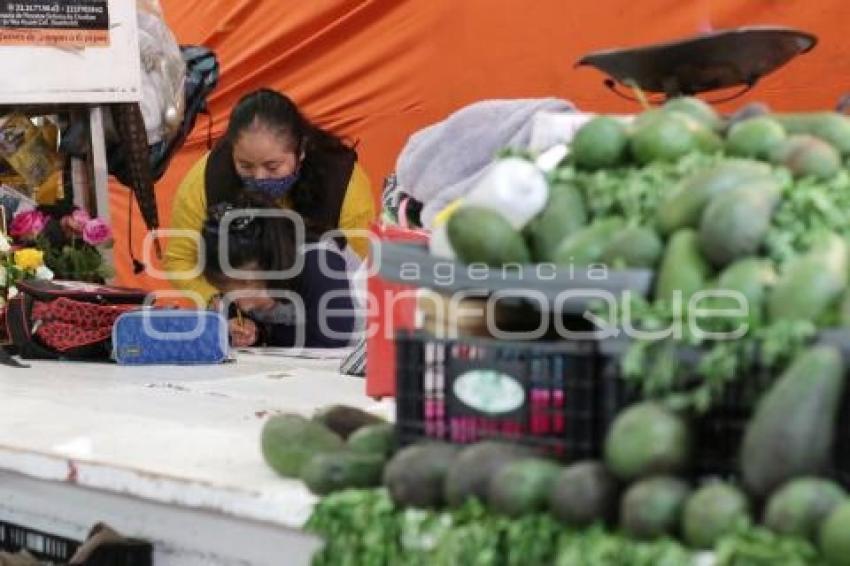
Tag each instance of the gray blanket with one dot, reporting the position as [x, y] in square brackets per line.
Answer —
[444, 161]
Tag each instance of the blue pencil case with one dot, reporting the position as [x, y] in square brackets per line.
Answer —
[170, 337]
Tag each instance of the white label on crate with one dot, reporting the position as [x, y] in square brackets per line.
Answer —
[489, 391]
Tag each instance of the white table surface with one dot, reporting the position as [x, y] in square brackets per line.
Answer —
[185, 437]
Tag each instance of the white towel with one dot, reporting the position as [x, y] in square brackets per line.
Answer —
[443, 162]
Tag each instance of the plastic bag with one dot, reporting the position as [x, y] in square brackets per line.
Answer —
[514, 187]
[163, 73]
[25, 148]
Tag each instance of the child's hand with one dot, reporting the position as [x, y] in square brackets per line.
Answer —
[243, 333]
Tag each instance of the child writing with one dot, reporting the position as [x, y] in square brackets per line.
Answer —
[281, 291]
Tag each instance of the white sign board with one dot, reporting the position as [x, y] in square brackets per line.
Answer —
[83, 67]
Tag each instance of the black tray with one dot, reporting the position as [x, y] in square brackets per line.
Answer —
[412, 264]
[57, 550]
[719, 432]
[44, 546]
[711, 61]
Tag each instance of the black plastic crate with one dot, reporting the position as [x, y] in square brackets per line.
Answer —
[543, 394]
[840, 338]
[719, 432]
[57, 550]
[46, 547]
[128, 552]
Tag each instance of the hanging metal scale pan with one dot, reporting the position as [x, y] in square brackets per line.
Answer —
[707, 62]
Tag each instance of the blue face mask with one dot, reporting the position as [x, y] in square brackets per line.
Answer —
[274, 188]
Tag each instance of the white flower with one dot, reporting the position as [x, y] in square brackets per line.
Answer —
[44, 273]
[5, 244]
[12, 292]
[2, 276]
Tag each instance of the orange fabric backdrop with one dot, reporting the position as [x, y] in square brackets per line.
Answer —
[378, 70]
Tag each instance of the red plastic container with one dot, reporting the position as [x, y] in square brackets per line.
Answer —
[392, 307]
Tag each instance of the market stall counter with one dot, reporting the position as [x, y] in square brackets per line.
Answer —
[167, 454]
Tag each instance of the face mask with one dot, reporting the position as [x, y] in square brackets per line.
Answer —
[274, 188]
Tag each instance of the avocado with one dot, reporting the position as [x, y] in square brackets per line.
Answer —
[713, 511]
[812, 283]
[344, 420]
[470, 473]
[808, 156]
[583, 494]
[667, 136]
[378, 439]
[601, 143]
[646, 117]
[683, 270]
[647, 439]
[634, 247]
[289, 441]
[414, 476]
[586, 246]
[708, 141]
[791, 433]
[834, 536]
[831, 127]
[522, 487]
[481, 235]
[335, 471]
[735, 223]
[697, 109]
[683, 206]
[756, 138]
[564, 215]
[750, 277]
[800, 506]
[652, 508]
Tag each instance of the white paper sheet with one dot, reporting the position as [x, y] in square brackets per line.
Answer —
[299, 353]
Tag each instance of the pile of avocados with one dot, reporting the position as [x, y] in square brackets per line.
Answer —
[709, 230]
[341, 447]
[641, 485]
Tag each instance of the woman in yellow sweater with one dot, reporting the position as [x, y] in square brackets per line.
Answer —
[272, 151]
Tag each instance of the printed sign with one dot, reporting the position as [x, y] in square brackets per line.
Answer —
[59, 23]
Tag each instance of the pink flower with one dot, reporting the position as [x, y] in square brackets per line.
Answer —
[78, 219]
[28, 224]
[80, 216]
[96, 232]
[74, 223]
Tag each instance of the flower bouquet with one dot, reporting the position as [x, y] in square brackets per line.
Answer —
[17, 263]
[44, 245]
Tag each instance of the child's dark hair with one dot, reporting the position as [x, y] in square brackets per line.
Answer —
[270, 109]
[258, 243]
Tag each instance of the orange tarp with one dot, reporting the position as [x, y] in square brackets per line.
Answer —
[378, 70]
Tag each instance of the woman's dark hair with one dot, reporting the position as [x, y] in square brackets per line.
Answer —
[277, 112]
[258, 243]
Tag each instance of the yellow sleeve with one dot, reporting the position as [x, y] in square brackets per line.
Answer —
[188, 214]
[358, 211]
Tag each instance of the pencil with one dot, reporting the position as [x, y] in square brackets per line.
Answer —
[239, 318]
